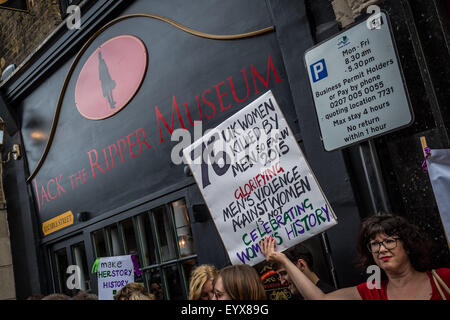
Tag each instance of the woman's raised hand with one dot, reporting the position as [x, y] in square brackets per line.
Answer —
[268, 250]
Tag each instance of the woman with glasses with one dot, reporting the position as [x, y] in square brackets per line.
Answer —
[398, 248]
[201, 283]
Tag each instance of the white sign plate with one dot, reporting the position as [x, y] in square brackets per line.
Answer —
[357, 84]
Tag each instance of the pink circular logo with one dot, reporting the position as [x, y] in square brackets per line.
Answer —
[111, 77]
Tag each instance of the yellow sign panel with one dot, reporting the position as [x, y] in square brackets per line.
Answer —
[57, 223]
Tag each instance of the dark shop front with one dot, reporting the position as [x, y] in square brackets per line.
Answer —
[96, 112]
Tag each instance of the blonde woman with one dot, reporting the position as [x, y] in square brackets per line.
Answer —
[201, 284]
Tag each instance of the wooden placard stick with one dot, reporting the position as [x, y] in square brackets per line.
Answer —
[423, 142]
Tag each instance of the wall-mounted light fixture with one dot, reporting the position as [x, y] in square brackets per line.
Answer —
[15, 152]
[38, 135]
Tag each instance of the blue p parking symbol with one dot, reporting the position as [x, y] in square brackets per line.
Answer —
[319, 70]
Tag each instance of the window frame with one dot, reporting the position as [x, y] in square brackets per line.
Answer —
[67, 245]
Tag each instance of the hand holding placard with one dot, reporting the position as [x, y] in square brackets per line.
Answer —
[256, 182]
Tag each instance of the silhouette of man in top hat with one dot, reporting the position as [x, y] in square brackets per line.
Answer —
[108, 84]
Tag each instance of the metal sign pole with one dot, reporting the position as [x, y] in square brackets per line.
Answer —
[374, 177]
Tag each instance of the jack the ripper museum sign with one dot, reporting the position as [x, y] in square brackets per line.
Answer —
[256, 182]
[113, 142]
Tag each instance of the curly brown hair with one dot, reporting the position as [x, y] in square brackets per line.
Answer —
[133, 291]
[415, 242]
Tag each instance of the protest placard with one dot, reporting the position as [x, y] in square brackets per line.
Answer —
[256, 182]
[113, 274]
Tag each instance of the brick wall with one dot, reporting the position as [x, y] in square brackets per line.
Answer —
[21, 33]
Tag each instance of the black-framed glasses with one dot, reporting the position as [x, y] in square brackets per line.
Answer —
[390, 243]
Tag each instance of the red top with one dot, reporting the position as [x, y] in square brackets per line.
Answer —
[381, 294]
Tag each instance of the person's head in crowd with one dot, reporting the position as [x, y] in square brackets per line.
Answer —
[303, 260]
[238, 282]
[56, 296]
[36, 297]
[83, 295]
[133, 291]
[302, 257]
[392, 242]
[156, 290]
[201, 283]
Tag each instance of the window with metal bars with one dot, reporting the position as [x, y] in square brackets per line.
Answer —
[161, 239]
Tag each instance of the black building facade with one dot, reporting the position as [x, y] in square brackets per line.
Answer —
[114, 179]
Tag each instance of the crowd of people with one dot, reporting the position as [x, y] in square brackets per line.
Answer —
[396, 246]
